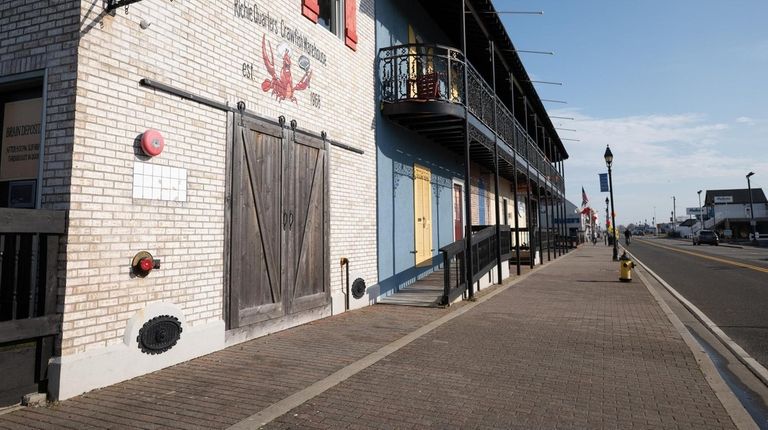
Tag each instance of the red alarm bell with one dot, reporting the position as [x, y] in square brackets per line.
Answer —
[143, 263]
[152, 142]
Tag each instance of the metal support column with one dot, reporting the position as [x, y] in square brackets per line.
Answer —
[517, 214]
[548, 199]
[565, 213]
[467, 173]
[538, 192]
[496, 163]
[528, 184]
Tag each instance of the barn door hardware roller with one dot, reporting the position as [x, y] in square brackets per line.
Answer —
[114, 4]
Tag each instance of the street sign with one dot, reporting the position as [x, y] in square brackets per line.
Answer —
[694, 211]
[603, 182]
[723, 199]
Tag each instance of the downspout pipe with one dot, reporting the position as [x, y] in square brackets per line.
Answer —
[344, 263]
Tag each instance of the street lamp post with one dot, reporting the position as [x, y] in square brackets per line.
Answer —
[751, 208]
[701, 212]
[607, 221]
[608, 162]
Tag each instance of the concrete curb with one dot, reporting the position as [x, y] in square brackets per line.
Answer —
[741, 418]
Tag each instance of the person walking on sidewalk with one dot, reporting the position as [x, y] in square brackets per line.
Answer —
[627, 236]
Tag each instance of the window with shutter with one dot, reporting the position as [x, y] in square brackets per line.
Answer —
[310, 9]
[350, 24]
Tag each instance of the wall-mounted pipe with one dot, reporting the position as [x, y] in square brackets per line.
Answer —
[344, 262]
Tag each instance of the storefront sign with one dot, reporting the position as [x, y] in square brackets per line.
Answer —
[285, 67]
[264, 18]
[20, 140]
[723, 199]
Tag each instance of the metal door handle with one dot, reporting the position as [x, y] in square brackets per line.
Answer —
[290, 221]
[285, 219]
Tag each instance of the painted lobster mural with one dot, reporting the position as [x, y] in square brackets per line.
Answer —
[281, 84]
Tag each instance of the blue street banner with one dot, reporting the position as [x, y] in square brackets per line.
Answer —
[603, 182]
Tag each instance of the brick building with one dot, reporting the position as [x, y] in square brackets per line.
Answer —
[260, 114]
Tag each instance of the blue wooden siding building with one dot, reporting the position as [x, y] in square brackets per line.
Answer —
[455, 103]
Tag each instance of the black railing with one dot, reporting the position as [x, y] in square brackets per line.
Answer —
[29, 252]
[428, 72]
[483, 258]
[421, 72]
[454, 271]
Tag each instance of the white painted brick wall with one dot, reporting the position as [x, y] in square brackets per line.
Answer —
[199, 47]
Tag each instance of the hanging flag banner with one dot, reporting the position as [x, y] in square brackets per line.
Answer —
[603, 182]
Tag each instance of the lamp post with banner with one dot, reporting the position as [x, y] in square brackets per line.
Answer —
[608, 156]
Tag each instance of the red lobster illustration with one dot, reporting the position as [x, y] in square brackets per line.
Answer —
[282, 86]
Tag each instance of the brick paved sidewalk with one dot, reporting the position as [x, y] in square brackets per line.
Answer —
[567, 347]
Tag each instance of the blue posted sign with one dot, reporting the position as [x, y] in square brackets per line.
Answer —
[603, 182]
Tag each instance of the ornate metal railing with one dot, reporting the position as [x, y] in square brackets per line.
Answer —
[431, 72]
[481, 99]
[422, 72]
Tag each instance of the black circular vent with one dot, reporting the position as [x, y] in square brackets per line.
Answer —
[159, 334]
[358, 288]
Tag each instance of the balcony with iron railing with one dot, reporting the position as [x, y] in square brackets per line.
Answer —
[422, 86]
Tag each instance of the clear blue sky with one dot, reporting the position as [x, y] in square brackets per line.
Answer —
[678, 88]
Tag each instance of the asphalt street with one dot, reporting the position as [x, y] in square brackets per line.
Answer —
[729, 285]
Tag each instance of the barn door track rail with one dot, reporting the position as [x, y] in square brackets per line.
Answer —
[149, 83]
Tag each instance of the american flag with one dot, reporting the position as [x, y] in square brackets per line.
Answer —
[584, 198]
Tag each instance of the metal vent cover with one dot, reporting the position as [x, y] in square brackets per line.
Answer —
[159, 334]
[358, 288]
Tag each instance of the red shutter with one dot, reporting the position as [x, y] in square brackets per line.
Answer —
[310, 9]
[350, 21]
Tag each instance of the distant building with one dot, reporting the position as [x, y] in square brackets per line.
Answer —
[688, 227]
[729, 213]
[576, 223]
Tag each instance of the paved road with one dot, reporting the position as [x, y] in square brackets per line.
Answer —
[729, 285]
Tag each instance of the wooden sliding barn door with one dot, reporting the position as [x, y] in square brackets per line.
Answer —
[279, 226]
[256, 292]
[307, 199]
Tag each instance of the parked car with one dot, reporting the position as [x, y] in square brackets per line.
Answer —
[706, 236]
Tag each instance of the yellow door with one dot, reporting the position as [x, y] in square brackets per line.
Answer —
[422, 214]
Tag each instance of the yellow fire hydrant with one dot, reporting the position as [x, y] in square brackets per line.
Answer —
[625, 268]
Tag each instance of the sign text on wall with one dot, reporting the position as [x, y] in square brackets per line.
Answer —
[20, 139]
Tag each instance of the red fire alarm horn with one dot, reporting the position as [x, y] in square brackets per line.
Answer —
[152, 142]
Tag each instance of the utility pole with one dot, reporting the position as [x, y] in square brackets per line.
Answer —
[674, 214]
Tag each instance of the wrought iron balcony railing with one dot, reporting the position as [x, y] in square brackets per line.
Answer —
[435, 73]
[421, 72]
